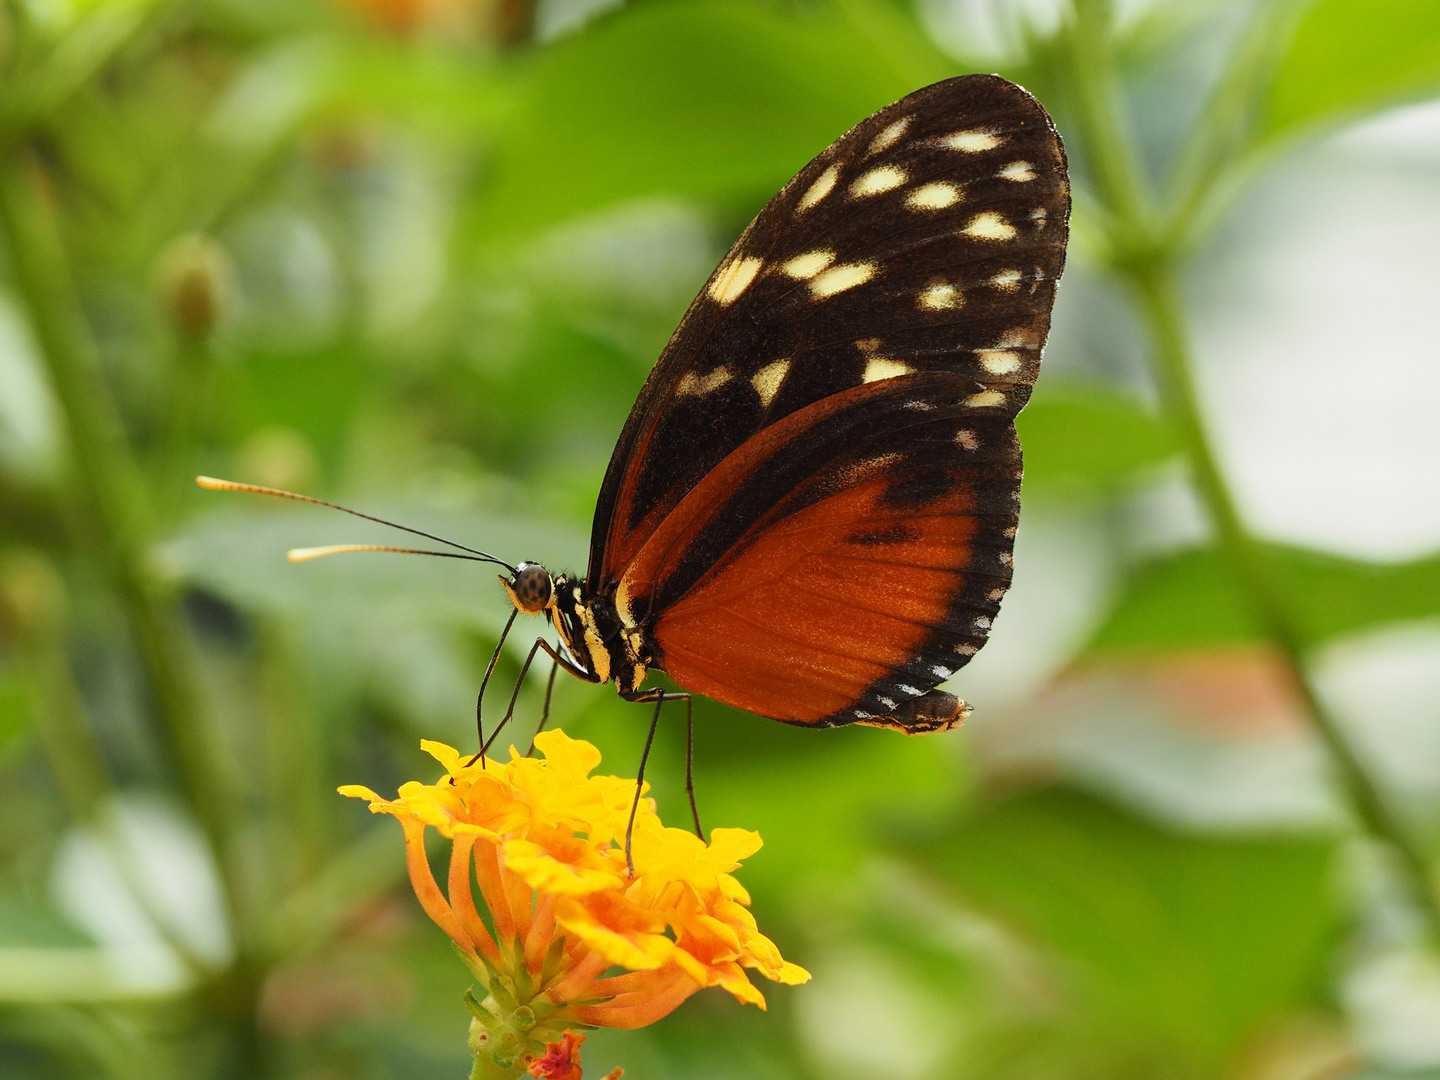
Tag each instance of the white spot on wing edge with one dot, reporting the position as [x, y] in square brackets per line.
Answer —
[839, 278]
[876, 181]
[735, 279]
[933, 196]
[907, 689]
[822, 186]
[941, 672]
[982, 622]
[889, 703]
[878, 368]
[940, 297]
[999, 361]
[971, 142]
[1006, 280]
[690, 383]
[967, 440]
[803, 267]
[767, 381]
[990, 226]
[1017, 171]
[889, 137]
[984, 399]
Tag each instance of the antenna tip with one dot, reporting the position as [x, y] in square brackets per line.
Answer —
[211, 484]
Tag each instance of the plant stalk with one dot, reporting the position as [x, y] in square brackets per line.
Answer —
[1147, 263]
[112, 500]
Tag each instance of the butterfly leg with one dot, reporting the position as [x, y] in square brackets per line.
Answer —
[545, 712]
[515, 695]
[659, 698]
[690, 763]
[480, 697]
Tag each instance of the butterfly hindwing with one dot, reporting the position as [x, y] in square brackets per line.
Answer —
[930, 236]
[811, 509]
[847, 558]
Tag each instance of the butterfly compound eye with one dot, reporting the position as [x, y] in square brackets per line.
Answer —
[530, 588]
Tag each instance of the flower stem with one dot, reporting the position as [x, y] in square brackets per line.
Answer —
[1148, 265]
[112, 503]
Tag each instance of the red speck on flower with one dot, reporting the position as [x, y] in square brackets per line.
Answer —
[561, 1060]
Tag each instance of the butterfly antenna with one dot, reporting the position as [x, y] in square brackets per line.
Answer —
[304, 554]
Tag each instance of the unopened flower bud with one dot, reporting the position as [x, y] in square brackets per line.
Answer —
[196, 284]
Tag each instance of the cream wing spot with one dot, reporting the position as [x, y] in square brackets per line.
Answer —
[935, 196]
[967, 440]
[697, 385]
[878, 367]
[839, 278]
[822, 186]
[1017, 172]
[984, 400]
[889, 137]
[971, 142]
[999, 361]
[876, 181]
[940, 297]
[804, 267]
[734, 280]
[768, 379]
[990, 226]
[996, 595]
[1006, 280]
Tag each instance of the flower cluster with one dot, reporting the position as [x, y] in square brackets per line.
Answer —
[545, 839]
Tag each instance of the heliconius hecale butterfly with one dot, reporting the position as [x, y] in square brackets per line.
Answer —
[811, 510]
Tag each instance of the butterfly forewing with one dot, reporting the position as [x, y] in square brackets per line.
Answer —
[824, 453]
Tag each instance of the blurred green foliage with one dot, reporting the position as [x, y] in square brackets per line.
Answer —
[418, 255]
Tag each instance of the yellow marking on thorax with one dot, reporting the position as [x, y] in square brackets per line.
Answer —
[971, 142]
[936, 196]
[734, 280]
[690, 383]
[595, 646]
[622, 602]
[767, 381]
[990, 226]
[839, 278]
[822, 186]
[804, 267]
[876, 181]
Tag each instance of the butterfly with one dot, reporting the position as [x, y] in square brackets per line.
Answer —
[810, 513]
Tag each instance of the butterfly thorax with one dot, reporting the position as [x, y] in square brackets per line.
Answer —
[589, 627]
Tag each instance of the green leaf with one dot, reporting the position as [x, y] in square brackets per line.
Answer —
[1077, 437]
[720, 102]
[1172, 945]
[1194, 601]
[1351, 57]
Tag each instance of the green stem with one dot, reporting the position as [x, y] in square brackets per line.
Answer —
[1147, 264]
[111, 498]
[1159, 300]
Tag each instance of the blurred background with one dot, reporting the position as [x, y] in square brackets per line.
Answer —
[418, 256]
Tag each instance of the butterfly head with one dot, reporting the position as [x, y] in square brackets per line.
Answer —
[530, 588]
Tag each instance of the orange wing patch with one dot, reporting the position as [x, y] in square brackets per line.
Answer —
[820, 607]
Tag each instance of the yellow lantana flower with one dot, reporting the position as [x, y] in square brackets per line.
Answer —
[545, 840]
